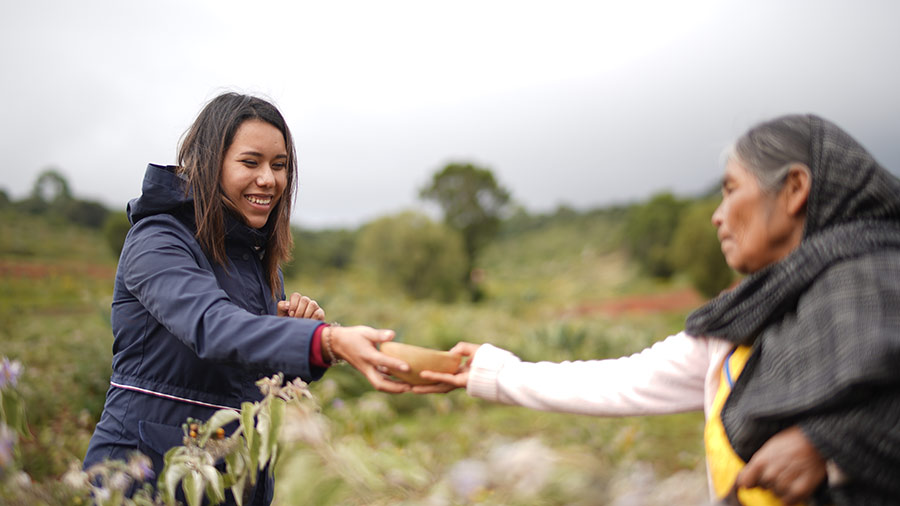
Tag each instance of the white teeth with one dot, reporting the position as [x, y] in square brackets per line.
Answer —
[261, 201]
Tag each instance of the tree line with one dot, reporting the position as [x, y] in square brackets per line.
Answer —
[438, 259]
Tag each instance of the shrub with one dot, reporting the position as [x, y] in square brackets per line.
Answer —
[316, 251]
[85, 212]
[695, 250]
[648, 233]
[115, 228]
[423, 258]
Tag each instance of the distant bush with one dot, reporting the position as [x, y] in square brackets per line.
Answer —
[423, 258]
[649, 230]
[115, 228]
[86, 213]
[316, 251]
[695, 250]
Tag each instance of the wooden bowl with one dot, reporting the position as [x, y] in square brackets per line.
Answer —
[420, 359]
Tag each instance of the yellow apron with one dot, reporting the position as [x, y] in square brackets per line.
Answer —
[724, 463]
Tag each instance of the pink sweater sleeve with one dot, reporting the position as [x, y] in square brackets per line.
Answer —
[668, 377]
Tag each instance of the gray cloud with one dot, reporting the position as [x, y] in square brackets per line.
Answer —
[568, 102]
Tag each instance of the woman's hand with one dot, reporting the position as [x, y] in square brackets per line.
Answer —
[788, 465]
[301, 306]
[448, 381]
[358, 346]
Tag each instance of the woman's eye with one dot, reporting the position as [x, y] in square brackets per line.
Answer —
[249, 163]
[279, 166]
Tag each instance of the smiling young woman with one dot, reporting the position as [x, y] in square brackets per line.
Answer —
[209, 152]
[199, 308]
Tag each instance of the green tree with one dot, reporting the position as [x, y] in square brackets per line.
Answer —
[696, 252]
[115, 228]
[649, 230]
[472, 202]
[423, 258]
[317, 251]
[86, 212]
[51, 188]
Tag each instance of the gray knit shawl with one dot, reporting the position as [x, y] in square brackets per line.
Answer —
[824, 322]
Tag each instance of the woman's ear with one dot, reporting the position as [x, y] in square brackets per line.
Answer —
[796, 189]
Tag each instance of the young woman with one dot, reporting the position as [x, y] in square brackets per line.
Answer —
[795, 368]
[198, 310]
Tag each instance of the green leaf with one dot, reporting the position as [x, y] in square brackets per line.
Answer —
[230, 468]
[237, 491]
[169, 456]
[12, 412]
[221, 418]
[264, 426]
[247, 412]
[276, 414]
[117, 497]
[215, 489]
[171, 475]
[254, 457]
[193, 485]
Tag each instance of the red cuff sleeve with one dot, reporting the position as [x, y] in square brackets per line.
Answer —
[315, 348]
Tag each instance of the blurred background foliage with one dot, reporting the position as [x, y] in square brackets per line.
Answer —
[564, 285]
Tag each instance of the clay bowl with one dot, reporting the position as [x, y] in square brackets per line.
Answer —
[420, 359]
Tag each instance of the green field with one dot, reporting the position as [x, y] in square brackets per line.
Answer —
[551, 294]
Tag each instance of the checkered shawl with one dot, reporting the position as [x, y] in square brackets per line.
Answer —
[824, 322]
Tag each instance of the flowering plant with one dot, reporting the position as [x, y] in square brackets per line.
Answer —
[251, 447]
[12, 412]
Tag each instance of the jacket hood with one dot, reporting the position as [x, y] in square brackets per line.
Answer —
[163, 191]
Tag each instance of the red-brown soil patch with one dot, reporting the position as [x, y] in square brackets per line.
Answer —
[38, 270]
[676, 301]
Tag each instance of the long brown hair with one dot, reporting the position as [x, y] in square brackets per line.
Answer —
[200, 157]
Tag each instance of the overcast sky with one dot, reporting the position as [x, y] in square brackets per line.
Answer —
[577, 103]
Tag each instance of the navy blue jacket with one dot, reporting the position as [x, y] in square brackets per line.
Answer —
[191, 336]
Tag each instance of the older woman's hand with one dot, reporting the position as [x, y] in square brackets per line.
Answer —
[358, 346]
[447, 381]
[301, 306]
[788, 465]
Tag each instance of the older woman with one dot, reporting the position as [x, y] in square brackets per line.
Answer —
[795, 368]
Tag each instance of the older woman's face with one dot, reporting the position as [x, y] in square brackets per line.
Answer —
[755, 228]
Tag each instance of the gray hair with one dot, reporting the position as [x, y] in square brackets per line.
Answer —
[769, 149]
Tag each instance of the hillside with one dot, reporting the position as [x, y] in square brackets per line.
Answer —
[560, 291]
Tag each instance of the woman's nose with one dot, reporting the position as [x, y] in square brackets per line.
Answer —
[717, 215]
[265, 177]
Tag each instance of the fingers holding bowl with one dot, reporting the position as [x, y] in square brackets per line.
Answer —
[439, 382]
[420, 359]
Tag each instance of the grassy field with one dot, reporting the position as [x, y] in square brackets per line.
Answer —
[551, 293]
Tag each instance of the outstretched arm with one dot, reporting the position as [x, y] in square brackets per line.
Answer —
[668, 377]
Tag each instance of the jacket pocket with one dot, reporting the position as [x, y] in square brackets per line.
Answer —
[159, 438]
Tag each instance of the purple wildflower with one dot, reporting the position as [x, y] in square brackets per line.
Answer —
[9, 372]
[139, 467]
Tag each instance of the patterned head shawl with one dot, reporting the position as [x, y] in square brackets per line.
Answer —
[824, 321]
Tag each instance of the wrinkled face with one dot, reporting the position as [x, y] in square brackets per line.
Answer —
[254, 171]
[754, 227]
